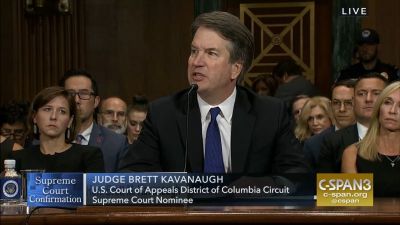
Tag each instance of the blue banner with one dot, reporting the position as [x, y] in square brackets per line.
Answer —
[55, 189]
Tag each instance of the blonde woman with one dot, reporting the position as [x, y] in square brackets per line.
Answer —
[379, 151]
[315, 117]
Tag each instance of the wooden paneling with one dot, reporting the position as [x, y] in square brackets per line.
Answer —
[138, 46]
[384, 17]
[129, 46]
[323, 38]
[36, 50]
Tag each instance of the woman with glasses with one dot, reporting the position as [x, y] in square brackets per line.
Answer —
[379, 151]
[315, 117]
[52, 120]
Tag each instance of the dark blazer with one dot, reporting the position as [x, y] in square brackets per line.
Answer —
[261, 142]
[298, 86]
[312, 146]
[333, 145]
[113, 145]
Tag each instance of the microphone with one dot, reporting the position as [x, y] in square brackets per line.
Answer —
[193, 89]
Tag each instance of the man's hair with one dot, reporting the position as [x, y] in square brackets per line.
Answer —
[139, 103]
[372, 75]
[288, 66]
[79, 72]
[14, 112]
[349, 83]
[231, 29]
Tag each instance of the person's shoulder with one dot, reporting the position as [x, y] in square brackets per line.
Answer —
[351, 72]
[320, 136]
[84, 148]
[387, 66]
[28, 151]
[341, 134]
[254, 98]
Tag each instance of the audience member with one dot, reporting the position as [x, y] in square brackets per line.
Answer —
[225, 128]
[52, 121]
[379, 151]
[366, 91]
[13, 122]
[137, 112]
[342, 105]
[6, 147]
[265, 85]
[81, 85]
[369, 62]
[297, 106]
[292, 82]
[113, 114]
[315, 117]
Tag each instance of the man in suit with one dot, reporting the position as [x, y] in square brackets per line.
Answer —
[292, 82]
[230, 128]
[369, 62]
[342, 107]
[366, 91]
[81, 85]
[113, 114]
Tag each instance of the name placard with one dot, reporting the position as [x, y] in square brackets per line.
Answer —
[55, 189]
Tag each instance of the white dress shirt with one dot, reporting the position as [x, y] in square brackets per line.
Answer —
[86, 135]
[224, 121]
[362, 130]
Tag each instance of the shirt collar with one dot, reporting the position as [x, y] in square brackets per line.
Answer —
[226, 107]
[86, 133]
[362, 130]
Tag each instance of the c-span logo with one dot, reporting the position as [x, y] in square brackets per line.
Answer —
[344, 189]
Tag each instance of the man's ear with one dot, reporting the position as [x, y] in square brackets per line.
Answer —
[96, 101]
[236, 69]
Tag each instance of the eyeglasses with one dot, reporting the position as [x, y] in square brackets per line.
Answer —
[348, 104]
[18, 134]
[111, 113]
[82, 94]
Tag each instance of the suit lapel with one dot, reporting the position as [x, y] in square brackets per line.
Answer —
[195, 139]
[353, 135]
[242, 129]
[96, 137]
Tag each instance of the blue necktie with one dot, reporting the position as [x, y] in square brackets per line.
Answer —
[213, 162]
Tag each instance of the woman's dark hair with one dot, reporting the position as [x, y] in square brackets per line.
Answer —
[44, 97]
[139, 103]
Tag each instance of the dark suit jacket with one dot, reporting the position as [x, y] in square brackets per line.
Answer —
[298, 86]
[261, 142]
[333, 145]
[312, 146]
[113, 145]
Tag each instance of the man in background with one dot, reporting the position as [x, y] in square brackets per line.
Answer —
[81, 85]
[113, 114]
[368, 42]
[342, 107]
[366, 91]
